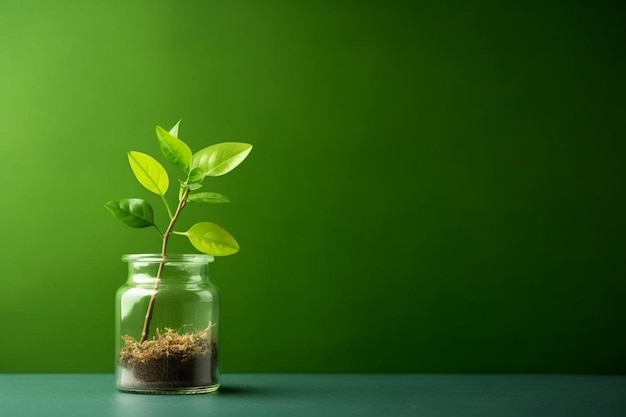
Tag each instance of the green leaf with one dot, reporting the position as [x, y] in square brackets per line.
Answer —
[194, 186]
[208, 198]
[212, 239]
[133, 212]
[175, 150]
[221, 158]
[149, 172]
[184, 186]
[174, 130]
[195, 175]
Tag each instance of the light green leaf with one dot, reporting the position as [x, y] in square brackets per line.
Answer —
[212, 239]
[195, 175]
[175, 150]
[149, 172]
[133, 212]
[192, 186]
[208, 197]
[174, 130]
[221, 158]
[184, 186]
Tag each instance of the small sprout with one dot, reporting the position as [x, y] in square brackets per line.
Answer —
[212, 161]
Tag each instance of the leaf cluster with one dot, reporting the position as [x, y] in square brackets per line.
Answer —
[212, 161]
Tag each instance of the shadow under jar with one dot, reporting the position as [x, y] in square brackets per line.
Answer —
[167, 326]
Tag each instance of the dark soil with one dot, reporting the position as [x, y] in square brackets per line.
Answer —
[170, 360]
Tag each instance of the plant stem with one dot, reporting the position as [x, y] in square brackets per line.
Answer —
[146, 323]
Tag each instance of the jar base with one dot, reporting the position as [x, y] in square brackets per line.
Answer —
[169, 391]
[196, 384]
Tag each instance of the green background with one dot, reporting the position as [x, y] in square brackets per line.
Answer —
[434, 186]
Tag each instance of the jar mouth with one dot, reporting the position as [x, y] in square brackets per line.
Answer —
[174, 257]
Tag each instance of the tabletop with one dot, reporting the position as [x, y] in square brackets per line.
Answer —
[323, 395]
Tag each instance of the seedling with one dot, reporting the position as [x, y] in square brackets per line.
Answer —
[213, 161]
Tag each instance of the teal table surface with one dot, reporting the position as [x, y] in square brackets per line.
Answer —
[323, 395]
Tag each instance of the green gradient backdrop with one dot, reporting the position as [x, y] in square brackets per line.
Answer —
[434, 187]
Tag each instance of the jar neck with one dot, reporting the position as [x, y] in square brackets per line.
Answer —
[170, 258]
[146, 269]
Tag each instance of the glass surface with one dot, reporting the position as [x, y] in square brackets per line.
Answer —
[167, 326]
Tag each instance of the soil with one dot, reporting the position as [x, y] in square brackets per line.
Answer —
[169, 360]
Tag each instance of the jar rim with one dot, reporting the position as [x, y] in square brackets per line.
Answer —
[174, 257]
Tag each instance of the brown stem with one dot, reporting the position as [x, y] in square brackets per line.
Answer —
[146, 323]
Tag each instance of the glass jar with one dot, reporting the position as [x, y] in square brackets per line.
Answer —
[167, 326]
